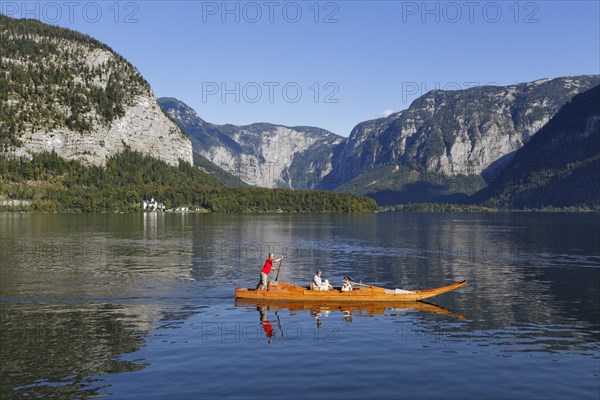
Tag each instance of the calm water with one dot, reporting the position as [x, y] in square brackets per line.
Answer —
[141, 306]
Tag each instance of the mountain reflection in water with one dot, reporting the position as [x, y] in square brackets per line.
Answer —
[143, 305]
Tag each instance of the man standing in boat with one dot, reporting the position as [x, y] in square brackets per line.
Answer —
[264, 273]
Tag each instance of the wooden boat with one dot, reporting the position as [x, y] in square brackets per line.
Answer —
[370, 308]
[283, 291]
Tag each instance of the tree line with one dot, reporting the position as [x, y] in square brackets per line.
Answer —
[50, 183]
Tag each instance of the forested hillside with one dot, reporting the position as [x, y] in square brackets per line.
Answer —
[48, 182]
[559, 166]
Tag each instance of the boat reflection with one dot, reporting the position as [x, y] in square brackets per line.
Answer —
[348, 310]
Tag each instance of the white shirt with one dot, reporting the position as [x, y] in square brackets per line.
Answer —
[317, 281]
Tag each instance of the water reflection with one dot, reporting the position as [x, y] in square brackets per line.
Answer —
[53, 349]
[84, 296]
[346, 311]
[359, 308]
[80, 291]
[419, 322]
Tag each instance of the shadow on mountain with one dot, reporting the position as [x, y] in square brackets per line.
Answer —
[494, 170]
[559, 166]
[419, 192]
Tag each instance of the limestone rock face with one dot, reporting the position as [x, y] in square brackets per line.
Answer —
[450, 133]
[143, 128]
[264, 155]
[472, 133]
[68, 93]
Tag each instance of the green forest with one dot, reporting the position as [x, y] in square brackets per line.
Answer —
[49, 183]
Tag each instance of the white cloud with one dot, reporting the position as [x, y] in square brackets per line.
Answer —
[386, 113]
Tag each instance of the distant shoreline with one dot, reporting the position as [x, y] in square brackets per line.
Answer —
[408, 209]
[435, 207]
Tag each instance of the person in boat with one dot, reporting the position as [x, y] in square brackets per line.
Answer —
[347, 285]
[264, 272]
[318, 284]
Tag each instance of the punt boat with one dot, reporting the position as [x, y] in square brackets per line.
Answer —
[284, 291]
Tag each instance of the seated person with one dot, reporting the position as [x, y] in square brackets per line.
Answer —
[318, 284]
[346, 286]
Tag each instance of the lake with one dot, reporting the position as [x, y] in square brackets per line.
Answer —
[142, 306]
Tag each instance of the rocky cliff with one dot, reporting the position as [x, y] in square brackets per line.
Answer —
[261, 154]
[559, 166]
[65, 92]
[448, 141]
[446, 145]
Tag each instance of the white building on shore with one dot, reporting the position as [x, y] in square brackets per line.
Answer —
[153, 205]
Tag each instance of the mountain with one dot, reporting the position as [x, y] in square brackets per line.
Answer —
[80, 130]
[559, 166]
[447, 144]
[262, 154]
[222, 176]
[64, 92]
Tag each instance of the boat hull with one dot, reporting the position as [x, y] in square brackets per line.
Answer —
[283, 291]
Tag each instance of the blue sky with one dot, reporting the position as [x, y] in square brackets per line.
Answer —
[330, 64]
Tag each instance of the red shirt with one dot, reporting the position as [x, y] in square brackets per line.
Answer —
[268, 265]
[268, 328]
